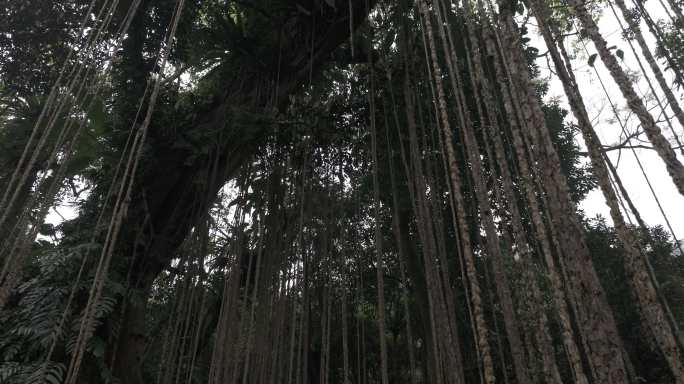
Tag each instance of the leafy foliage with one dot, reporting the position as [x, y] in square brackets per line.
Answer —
[34, 317]
[300, 162]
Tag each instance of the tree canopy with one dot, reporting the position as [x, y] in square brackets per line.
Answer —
[330, 191]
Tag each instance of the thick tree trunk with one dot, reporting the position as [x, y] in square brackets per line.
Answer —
[168, 201]
[593, 314]
[129, 354]
[636, 263]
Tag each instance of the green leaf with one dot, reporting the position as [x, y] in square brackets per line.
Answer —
[47, 229]
[52, 379]
[520, 8]
[620, 54]
[98, 347]
[87, 151]
[591, 60]
[97, 117]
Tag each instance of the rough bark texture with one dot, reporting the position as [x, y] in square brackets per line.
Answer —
[660, 143]
[440, 298]
[533, 307]
[593, 314]
[473, 152]
[475, 292]
[638, 36]
[636, 263]
[657, 33]
[543, 236]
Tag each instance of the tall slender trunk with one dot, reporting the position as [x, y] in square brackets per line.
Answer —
[660, 143]
[473, 152]
[636, 263]
[658, 35]
[379, 263]
[526, 174]
[653, 64]
[594, 316]
[481, 330]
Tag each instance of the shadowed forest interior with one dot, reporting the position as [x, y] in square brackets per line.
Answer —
[338, 191]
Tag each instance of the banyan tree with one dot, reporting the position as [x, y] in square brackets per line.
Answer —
[336, 191]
